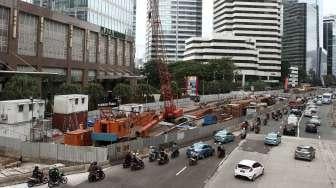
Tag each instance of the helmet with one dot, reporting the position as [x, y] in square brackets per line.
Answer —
[94, 162]
[36, 167]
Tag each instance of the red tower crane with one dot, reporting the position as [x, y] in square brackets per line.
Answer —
[159, 58]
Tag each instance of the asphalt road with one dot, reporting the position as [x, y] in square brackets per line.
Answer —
[177, 173]
[325, 131]
[281, 169]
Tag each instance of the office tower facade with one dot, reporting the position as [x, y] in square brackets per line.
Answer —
[329, 42]
[180, 20]
[115, 15]
[259, 20]
[302, 42]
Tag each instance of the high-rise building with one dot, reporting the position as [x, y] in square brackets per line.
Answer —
[302, 43]
[116, 15]
[259, 20]
[329, 42]
[180, 20]
[241, 50]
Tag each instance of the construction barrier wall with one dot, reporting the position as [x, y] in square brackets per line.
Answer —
[49, 151]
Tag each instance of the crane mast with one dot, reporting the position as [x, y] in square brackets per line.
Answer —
[159, 58]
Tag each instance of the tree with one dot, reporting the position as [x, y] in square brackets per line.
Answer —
[284, 70]
[66, 89]
[124, 91]
[21, 87]
[96, 93]
[329, 80]
[150, 71]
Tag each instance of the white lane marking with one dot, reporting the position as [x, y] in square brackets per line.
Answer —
[179, 172]
[299, 126]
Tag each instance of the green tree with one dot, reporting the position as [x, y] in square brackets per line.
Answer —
[66, 89]
[96, 93]
[21, 87]
[329, 80]
[151, 72]
[284, 70]
[124, 91]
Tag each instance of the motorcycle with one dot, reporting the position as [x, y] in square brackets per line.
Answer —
[243, 134]
[96, 176]
[153, 153]
[36, 181]
[221, 153]
[257, 130]
[192, 161]
[175, 154]
[61, 179]
[137, 165]
[163, 159]
[265, 121]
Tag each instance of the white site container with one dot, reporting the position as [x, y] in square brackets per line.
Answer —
[131, 108]
[68, 104]
[19, 111]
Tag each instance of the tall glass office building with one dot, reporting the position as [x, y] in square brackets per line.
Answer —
[116, 15]
[302, 43]
[329, 42]
[180, 19]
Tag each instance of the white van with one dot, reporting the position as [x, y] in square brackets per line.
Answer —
[327, 98]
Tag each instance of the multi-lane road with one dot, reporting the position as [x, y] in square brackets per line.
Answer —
[281, 169]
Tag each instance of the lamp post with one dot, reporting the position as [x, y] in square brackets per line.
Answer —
[32, 109]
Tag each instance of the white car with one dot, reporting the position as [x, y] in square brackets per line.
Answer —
[315, 120]
[249, 169]
[308, 113]
[319, 102]
[312, 109]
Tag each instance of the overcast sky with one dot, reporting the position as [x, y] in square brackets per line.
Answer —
[329, 8]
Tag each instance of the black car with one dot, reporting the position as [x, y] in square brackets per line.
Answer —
[296, 112]
[305, 153]
[311, 128]
[289, 130]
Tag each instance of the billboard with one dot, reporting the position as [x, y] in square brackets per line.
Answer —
[192, 85]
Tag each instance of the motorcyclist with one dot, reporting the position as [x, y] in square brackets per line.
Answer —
[94, 167]
[128, 158]
[37, 173]
[54, 174]
[221, 150]
[175, 150]
[243, 133]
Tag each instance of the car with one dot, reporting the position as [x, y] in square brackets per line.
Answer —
[311, 128]
[319, 102]
[272, 139]
[201, 150]
[292, 119]
[296, 112]
[305, 152]
[290, 130]
[308, 113]
[249, 169]
[223, 136]
[312, 109]
[315, 120]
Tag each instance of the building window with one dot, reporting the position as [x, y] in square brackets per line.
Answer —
[112, 51]
[102, 50]
[55, 37]
[76, 75]
[83, 100]
[4, 22]
[91, 75]
[92, 45]
[21, 108]
[78, 44]
[30, 107]
[27, 40]
[76, 101]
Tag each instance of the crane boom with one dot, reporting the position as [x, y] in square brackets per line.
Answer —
[159, 58]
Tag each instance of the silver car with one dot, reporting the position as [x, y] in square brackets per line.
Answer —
[305, 153]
